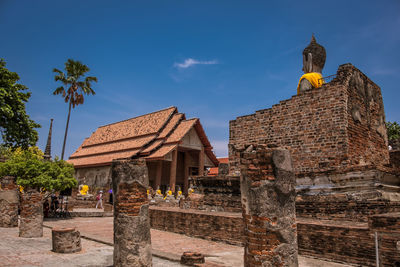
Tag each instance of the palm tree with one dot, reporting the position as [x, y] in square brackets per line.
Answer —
[75, 85]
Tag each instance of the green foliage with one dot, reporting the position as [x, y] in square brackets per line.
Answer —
[17, 129]
[33, 172]
[393, 130]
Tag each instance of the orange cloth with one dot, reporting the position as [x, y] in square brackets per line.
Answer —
[314, 78]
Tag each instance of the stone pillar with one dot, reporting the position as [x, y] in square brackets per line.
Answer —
[268, 194]
[31, 217]
[9, 201]
[172, 178]
[201, 161]
[132, 242]
[158, 175]
[66, 240]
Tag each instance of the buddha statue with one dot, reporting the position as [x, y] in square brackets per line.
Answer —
[158, 196]
[314, 56]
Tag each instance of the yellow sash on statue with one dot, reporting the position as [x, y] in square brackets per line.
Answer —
[314, 78]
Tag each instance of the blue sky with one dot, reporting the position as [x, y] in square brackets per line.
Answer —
[214, 60]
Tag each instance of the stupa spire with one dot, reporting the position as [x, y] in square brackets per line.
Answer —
[47, 151]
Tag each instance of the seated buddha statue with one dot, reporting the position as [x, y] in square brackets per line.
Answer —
[314, 56]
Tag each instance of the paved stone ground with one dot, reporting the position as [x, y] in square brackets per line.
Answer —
[16, 251]
[167, 247]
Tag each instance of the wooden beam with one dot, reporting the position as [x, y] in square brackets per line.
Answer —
[172, 178]
[201, 161]
[157, 183]
[186, 173]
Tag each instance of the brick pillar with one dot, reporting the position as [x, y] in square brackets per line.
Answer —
[9, 200]
[268, 194]
[172, 178]
[31, 217]
[158, 175]
[132, 243]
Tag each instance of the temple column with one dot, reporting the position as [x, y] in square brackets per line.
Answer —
[201, 161]
[267, 184]
[157, 182]
[132, 240]
[172, 178]
[186, 173]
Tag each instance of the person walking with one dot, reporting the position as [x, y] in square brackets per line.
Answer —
[99, 199]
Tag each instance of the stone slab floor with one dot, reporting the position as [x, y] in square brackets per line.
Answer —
[97, 249]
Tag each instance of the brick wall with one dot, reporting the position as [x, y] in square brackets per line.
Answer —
[348, 242]
[329, 128]
[335, 208]
[387, 227]
[216, 226]
[344, 241]
[217, 193]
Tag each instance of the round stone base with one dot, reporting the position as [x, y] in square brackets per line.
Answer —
[66, 240]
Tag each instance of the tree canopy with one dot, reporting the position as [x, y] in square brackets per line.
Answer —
[33, 172]
[16, 128]
[393, 130]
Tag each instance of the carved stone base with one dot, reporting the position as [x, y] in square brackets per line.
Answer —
[66, 240]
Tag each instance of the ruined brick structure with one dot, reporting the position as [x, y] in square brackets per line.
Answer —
[31, 217]
[132, 242]
[268, 198]
[216, 193]
[9, 201]
[337, 137]
[333, 128]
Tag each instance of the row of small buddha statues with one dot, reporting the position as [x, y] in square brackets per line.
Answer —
[169, 198]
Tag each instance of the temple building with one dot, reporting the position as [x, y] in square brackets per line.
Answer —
[174, 148]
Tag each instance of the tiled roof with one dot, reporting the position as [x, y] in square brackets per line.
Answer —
[153, 136]
[114, 146]
[164, 150]
[180, 131]
[104, 159]
[173, 122]
[214, 170]
[138, 126]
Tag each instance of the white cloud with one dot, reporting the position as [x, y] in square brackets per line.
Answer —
[191, 62]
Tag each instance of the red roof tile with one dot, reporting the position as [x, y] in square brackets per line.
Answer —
[162, 152]
[152, 135]
[104, 159]
[180, 131]
[138, 126]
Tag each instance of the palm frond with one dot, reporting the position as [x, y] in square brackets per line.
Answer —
[59, 90]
